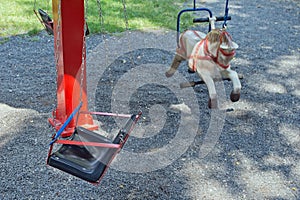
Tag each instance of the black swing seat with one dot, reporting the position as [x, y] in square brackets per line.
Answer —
[48, 23]
[88, 162]
[46, 19]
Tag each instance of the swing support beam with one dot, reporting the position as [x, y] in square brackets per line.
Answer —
[70, 53]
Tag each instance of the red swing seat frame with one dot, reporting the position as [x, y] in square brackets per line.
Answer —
[88, 160]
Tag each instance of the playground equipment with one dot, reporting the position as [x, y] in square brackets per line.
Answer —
[208, 54]
[87, 154]
[83, 152]
[45, 20]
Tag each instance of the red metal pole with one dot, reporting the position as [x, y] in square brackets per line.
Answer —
[69, 45]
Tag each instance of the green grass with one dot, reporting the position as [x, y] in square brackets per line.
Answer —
[17, 16]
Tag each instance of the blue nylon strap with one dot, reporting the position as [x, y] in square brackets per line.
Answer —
[62, 128]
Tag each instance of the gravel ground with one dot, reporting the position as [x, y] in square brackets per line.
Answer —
[255, 157]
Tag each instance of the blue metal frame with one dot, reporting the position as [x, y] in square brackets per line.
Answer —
[200, 9]
[226, 14]
[190, 10]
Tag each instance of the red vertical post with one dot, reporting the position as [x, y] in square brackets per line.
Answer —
[69, 47]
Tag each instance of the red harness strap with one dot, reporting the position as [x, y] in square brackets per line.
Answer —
[95, 144]
[196, 56]
[208, 55]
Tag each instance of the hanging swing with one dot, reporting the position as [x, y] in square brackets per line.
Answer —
[87, 154]
[44, 18]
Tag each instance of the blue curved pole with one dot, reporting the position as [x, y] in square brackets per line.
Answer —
[190, 10]
[200, 9]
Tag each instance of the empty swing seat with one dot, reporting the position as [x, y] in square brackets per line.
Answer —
[47, 21]
[88, 162]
